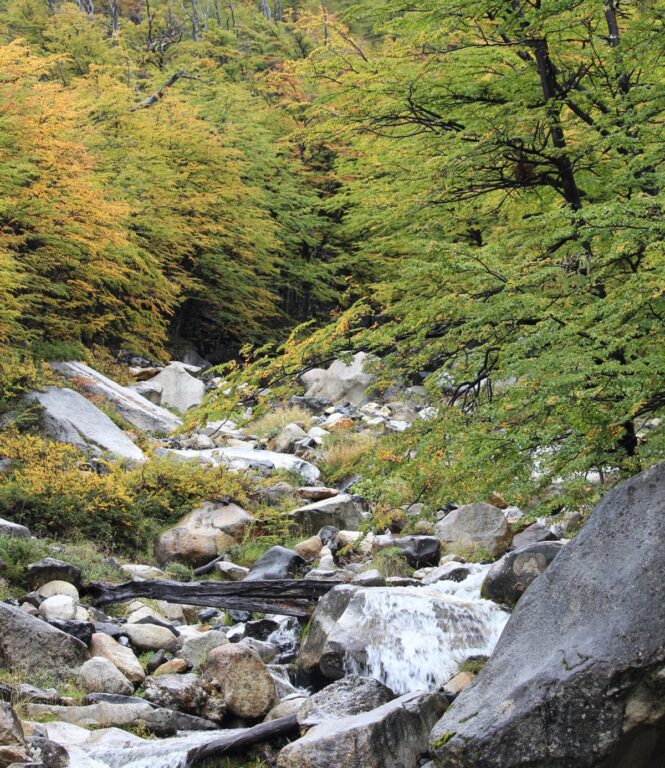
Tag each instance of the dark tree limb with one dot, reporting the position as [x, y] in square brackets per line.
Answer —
[286, 596]
[155, 97]
[283, 726]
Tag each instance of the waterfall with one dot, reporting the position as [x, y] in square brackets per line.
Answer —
[415, 638]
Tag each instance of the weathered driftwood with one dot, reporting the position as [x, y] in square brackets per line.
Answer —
[290, 597]
[283, 726]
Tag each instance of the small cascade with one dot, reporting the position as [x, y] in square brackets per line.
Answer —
[415, 638]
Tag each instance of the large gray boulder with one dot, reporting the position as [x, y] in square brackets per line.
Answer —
[341, 382]
[203, 534]
[138, 411]
[577, 680]
[391, 736]
[27, 643]
[339, 511]
[473, 530]
[177, 388]
[69, 418]
[13, 530]
[509, 577]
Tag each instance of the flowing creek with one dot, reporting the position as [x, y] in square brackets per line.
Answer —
[417, 638]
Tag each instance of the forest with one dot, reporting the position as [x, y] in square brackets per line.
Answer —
[404, 259]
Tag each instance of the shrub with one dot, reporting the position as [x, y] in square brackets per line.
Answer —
[391, 562]
[344, 451]
[53, 490]
[272, 423]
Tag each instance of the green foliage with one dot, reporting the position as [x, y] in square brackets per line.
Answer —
[391, 562]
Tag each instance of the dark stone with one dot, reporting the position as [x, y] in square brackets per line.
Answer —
[328, 534]
[111, 698]
[576, 680]
[159, 623]
[312, 404]
[260, 629]
[81, 630]
[239, 616]
[419, 551]
[532, 535]
[508, 578]
[106, 628]
[52, 755]
[50, 569]
[207, 614]
[276, 563]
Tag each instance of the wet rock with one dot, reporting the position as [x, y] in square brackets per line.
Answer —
[121, 656]
[349, 696]
[202, 534]
[371, 578]
[99, 675]
[50, 569]
[508, 578]
[339, 511]
[475, 529]
[276, 563]
[458, 683]
[391, 736]
[81, 630]
[13, 530]
[23, 639]
[451, 571]
[246, 685]
[576, 680]
[69, 418]
[265, 651]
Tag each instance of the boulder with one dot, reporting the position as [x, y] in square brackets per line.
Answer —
[419, 551]
[122, 712]
[60, 607]
[149, 389]
[288, 706]
[475, 529]
[245, 682]
[409, 638]
[532, 535]
[576, 680]
[341, 382]
[230, 571]
[13, 748]
[391, 736]
[122, 657]
[316, 492]
[99, 675]
[286, 440]
[24, 638]
[339, 511]
[508, 578]
[13, 530]
[150, 637]
[349, 696]
[184, 693]
[138, 411]
[202, 534]
[195, 649]
[50, 569]
[277, 563]
[178, 388]
[309, 549]
[69, 418]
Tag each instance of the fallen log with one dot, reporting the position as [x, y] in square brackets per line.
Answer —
[283, 726]
[290, 597]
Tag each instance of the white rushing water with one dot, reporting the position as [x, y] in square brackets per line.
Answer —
[416, 637]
